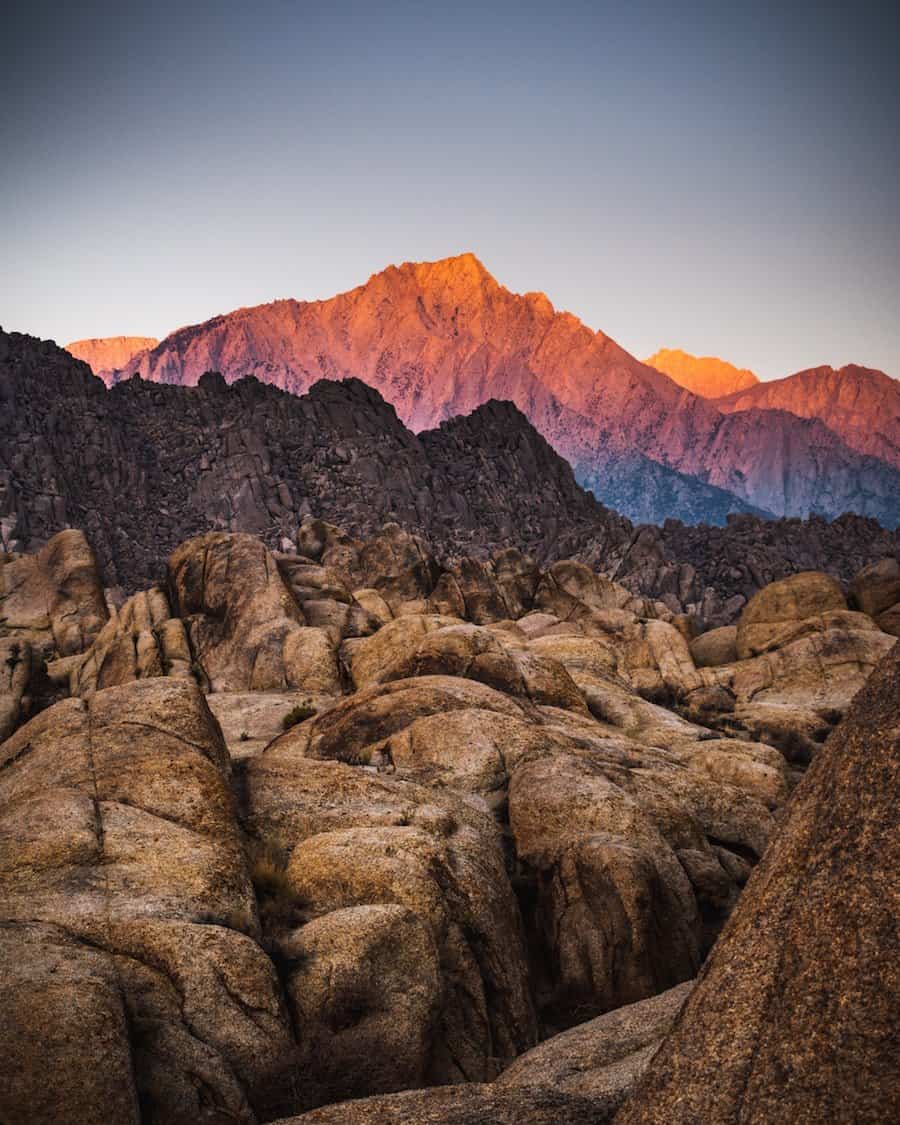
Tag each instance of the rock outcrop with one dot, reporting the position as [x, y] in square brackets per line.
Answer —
[448, 811]
[251, 459]
[794, 1016]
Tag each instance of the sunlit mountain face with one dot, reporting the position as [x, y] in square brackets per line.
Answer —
[438, 339]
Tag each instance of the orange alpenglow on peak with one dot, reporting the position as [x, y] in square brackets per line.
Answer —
[705, 375]
[109, 353]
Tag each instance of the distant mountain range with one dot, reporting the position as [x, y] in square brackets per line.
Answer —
[438, 339]
[140, 467]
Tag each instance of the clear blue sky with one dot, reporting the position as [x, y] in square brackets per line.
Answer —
[720, 176]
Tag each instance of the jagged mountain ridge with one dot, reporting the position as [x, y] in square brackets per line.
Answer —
[141, 466]
[860, 404]
[438, 339]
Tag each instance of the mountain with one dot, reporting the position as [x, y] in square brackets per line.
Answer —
[705, 375]
[139, 467]
[859, 404]
[438, 339]
[107, 354]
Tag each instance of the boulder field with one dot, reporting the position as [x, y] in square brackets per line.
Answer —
[345, 834]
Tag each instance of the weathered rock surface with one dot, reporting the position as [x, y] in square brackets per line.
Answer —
[876, 591]
[604, 1057]
[795, 1015]
[450, 809]
[53, 599]
[128, 913]
[774, 615]
[466, 1105]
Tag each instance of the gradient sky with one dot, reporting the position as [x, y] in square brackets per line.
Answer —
[719, 176]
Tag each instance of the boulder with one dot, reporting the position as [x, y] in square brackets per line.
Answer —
[472, 1104]
[795, 1015]
[54, 599]
[141, 640]
[876, 588]
[364, 985]
[126, 904]
[246, 631]
[604, 1057]
[770, 619]
[354, 840]
[717, 646]
[634, 862]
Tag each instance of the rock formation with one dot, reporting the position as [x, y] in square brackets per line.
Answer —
[706, 375]
[795, 1014]
[143, 467]
[460, 841]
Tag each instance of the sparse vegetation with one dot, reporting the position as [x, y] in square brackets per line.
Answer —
[244, 737]
[297, 714]
[278, 903]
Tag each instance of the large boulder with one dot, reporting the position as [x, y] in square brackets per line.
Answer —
[775, 615]
[467, 651]
[876, 591]
[794, 1017]
[441, 974]
[54, 599]
[604, 1057]
[246, 630]
[127, 911]
[634, 861]
[141, 640]
[716, 646]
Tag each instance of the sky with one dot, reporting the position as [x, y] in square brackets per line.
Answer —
[718, 176]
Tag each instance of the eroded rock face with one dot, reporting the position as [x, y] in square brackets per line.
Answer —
[54, 599]
[246, 629]
[795, 1016]
[456, 995]
[604, 1057]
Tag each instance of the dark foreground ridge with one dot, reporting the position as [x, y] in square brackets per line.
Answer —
[143, 466]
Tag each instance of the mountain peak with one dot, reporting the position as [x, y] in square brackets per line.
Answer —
[705, 375]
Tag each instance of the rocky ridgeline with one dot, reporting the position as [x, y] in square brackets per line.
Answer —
[143, 466]
[290, 828]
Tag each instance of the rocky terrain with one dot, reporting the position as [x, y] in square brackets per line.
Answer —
[706, 375]
[108, 354]
[439, 339]
[142, 466]
[335, 822]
